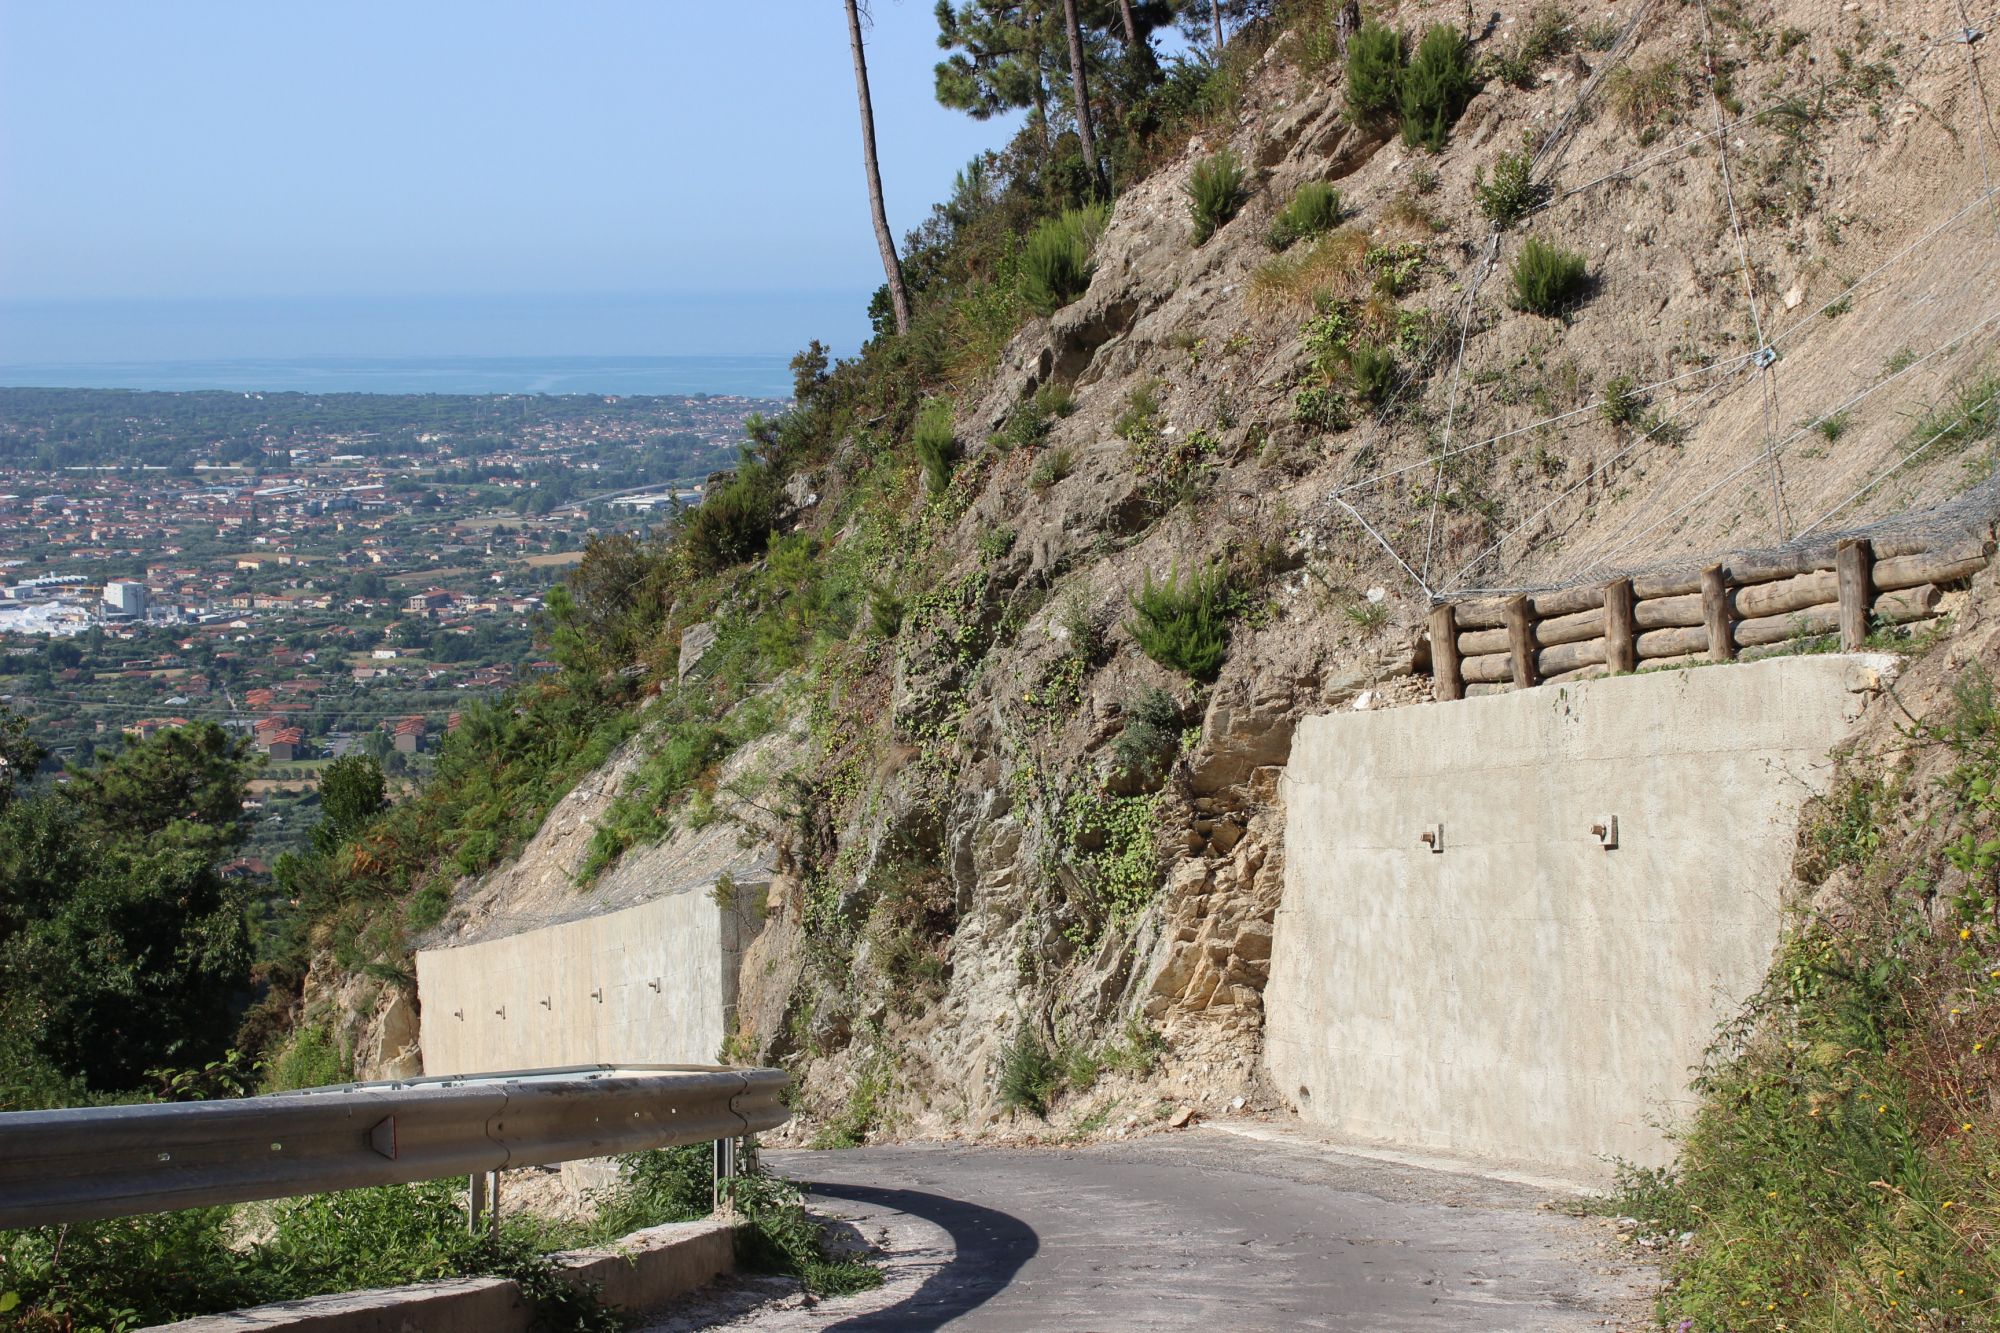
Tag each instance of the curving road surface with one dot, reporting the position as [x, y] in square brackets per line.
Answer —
[1199, 1230]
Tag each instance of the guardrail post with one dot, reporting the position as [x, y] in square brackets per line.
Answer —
[725, 1168]
[482, 1195]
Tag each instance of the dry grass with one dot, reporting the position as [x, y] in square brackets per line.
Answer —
[1332, 268]
[1644, 95]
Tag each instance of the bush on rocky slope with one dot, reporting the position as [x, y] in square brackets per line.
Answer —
[1843, 1171]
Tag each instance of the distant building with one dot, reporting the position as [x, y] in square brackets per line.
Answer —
[125, 600]
[410, 735]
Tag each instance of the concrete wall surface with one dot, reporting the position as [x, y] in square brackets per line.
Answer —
[637, 1274]
[1526, 997]
[652, 984]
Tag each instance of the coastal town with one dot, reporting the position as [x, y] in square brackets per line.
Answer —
[323, 574]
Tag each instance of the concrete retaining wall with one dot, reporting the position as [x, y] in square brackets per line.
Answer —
[638, 1274]
[652, 984]
[1526, 997]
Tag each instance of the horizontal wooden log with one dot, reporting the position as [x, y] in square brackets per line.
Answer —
[1471, 643]
[1660, 612]
[1480, 613]
[1581, 673]
[1782, 596]
[1487, 668]
[1764, 566]
[1676, 642]
[1572, 628]
[1568, 601]
[1646, 586]
[1569, 656]
[1950, 564]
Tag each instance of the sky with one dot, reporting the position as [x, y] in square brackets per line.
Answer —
[596, 177]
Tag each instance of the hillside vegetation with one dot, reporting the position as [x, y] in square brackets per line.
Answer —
[1014, 612]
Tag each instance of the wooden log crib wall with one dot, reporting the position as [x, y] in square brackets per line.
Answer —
[1749, 601]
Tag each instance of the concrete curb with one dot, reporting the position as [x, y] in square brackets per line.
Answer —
[636, 1274]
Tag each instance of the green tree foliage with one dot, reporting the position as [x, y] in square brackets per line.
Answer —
[604, 614]
[1215, 193]
[734, 521]
[185, 785]
[1375, 61]
[1056, 264]
[1184, 626]
[122, 948]
[352, 792]
[1436, 87]
[19, 756]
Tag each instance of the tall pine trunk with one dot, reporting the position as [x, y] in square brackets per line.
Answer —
[892, 267]
[1080, 86]
[1138, 54]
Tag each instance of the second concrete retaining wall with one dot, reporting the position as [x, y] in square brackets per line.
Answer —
[1524, 995]
[652, 984]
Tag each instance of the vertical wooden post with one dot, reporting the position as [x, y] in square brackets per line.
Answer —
[1854, 568]
[1449, 681]
[1621, 643]
[1521, 641]
[1715, 615]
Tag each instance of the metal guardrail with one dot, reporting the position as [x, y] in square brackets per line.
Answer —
[89, 1163]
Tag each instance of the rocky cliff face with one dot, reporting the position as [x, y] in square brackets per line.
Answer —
[981, 855]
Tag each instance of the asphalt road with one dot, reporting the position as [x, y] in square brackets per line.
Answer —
[1196, 1230]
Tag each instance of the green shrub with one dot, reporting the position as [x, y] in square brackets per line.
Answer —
[1184, 627]
[1513, 193]
[1623, 402]
[1376, 58]
[1056, 263]
[1053, 466]
[311, 1059]
[1319, 407]
[1547, 279]
[1371, 369]
[1314, 210]
[937, 448]
[734, 522]
[1215, 193]
[657, 1187]
[1436, 87]
[1139, 421]
[779, 1236]
[1151, 734]
[1029, 1075]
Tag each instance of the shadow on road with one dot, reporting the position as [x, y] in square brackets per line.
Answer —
[988, 1248]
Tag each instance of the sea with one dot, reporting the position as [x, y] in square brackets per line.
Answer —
[749, 376]
[641, 343]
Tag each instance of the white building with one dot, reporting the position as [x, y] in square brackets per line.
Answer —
[125, 599]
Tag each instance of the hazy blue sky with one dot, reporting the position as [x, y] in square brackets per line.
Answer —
[589, 155]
